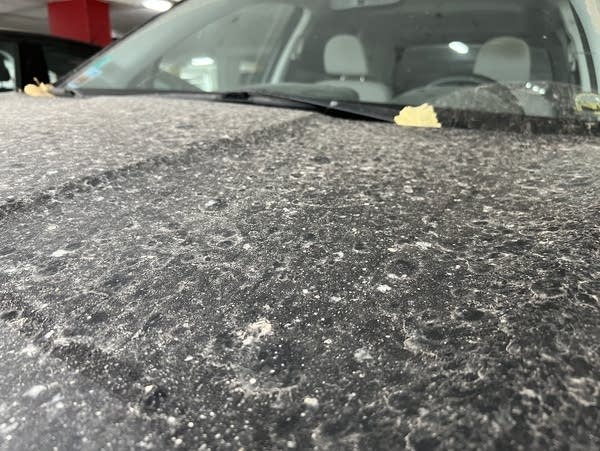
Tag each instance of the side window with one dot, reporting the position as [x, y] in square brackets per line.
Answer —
[234, 51]
[62, 58]
[8, 66]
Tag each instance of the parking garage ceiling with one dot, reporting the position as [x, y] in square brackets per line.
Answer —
[32, 15]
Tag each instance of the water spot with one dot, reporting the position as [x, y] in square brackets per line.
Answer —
[549, 288]
[6, 251]
[255, 332]
[152, 321]
[153, 397]
[116, 281]
[321, 159]
[472, 314]
[98, 317]
[215, 204]
[426, 444]
[9, 315]
[403, 266]
[362, 355]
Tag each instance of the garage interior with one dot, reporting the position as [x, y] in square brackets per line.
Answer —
[93, 21]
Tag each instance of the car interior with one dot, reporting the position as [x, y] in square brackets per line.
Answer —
[397, 52]
[404, 53]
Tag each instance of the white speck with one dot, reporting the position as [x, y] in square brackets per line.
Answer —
[178, 441]
[247, 247]
[190, 424]
[210, 203]
[362, 355]
[203, 417]
[30, 350]
[148, 388]
[328, 341]
[35, 391]
[51, 227]
[6, 428]
[171, 421]
[305, 291]
[408, 189]
[339, 255]
[487, 209]
[212, 414]
[392, 276]
[423, 245]
[335, 299]
[291, 444]
[384, 288]
[60, 253]
[189, 358]
[311, 402]
[49, 335]
[252, 381]
[393, 250]
[528, 392]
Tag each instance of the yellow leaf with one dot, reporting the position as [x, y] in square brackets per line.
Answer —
[587, 101]
[39, 90]
[420, 116]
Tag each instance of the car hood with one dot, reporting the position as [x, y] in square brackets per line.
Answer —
[182, 273]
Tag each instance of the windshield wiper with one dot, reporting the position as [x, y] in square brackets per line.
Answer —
[337, 108]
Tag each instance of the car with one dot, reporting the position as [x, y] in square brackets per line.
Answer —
[307, 224]
[27, 56]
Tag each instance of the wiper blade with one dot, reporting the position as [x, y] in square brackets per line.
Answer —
[65, 92]
[338, 108]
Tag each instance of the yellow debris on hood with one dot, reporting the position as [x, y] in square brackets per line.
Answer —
[420, 116]
[39, 89]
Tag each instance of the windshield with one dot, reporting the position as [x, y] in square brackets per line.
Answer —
[524, 56]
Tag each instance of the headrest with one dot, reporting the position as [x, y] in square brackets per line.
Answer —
[504, 59]
[345, 55]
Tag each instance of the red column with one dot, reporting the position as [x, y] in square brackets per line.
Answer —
[82, 20]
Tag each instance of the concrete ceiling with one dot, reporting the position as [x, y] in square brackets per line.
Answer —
[31, 15]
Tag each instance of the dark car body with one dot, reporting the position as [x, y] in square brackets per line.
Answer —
[25, 56]
[260, 262]
[198, 275]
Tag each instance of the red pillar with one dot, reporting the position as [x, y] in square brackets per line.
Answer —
[82, 20]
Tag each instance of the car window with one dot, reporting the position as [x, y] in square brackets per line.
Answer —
[232, 51]
[424, 64]
[398, 52]
[61, 58]
[8, 64]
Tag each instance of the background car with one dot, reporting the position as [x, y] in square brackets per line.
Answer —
[25, 56]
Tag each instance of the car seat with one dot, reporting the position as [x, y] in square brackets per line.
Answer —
[344, 57]
[504, 59]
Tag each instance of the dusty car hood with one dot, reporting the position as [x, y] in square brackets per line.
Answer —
[181, 273]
